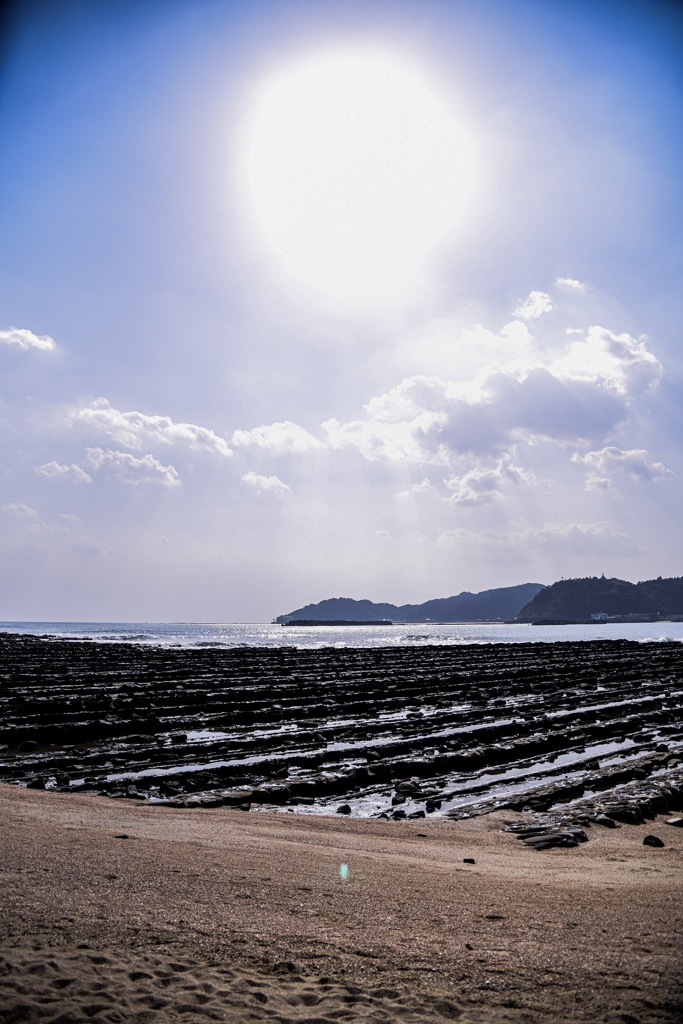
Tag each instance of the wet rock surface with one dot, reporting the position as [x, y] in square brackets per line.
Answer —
[586, 732]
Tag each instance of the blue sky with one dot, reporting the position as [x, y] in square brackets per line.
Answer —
[302, 300]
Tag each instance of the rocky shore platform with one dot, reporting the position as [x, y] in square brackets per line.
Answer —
[575, 732]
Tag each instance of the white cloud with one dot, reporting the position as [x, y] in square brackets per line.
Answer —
[25, 340]
[57, 471]
[133, 429]
[377, 441]
[277, 438]
[606, 462]
[616, 361]
[425, 486]
[19, 509]
[570, 284]
[121, 465]
[482, 485]
[580, 395]
[131, 470]
[444, 347]
[535, 305]
[265, 484]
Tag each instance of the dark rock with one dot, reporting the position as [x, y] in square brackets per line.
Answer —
[468, 860]
[271, 794]
[344, 809]
[408, 788]
[28, 745]
[203, 800]
[35, 784]
[606, 821]
[678, 822]
[650, 840]
[235, 797]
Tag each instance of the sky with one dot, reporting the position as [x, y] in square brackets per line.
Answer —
[303, 300]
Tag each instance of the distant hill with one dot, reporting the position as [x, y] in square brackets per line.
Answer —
[489, 605]
[577, 600]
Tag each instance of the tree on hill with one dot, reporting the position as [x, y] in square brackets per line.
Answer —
[576, 600]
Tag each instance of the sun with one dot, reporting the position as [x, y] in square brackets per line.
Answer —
[356, 171]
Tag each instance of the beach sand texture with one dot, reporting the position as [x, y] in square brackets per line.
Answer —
[118, 911]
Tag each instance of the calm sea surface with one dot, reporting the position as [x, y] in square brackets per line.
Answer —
[235, 634]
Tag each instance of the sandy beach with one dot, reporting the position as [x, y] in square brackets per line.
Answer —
[120, 911]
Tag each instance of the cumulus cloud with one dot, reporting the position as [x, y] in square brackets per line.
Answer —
[616, 361]
[395, 423]
[23, 339]
[482, 485]
[578, 396]
[606, 462]
[277, 438]
[377, 441]
[119, 465]
[133, 429]
[264, 484]
[506, 407]
[57, 471]
[478, 434]
[129, 469]
[425, 420]
[535, 305]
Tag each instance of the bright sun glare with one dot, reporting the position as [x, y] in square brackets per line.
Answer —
[356, 171]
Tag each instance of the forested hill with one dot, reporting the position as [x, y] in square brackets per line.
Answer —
[488, 605]
[578, 600]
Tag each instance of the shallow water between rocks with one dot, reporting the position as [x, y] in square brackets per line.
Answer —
[397, 732]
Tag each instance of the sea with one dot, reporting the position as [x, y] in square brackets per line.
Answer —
[240, 634]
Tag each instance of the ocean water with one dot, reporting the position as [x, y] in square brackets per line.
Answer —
[236, 634]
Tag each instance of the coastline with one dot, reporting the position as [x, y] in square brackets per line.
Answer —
[130, 911]
[219, 915]
[393, 732]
